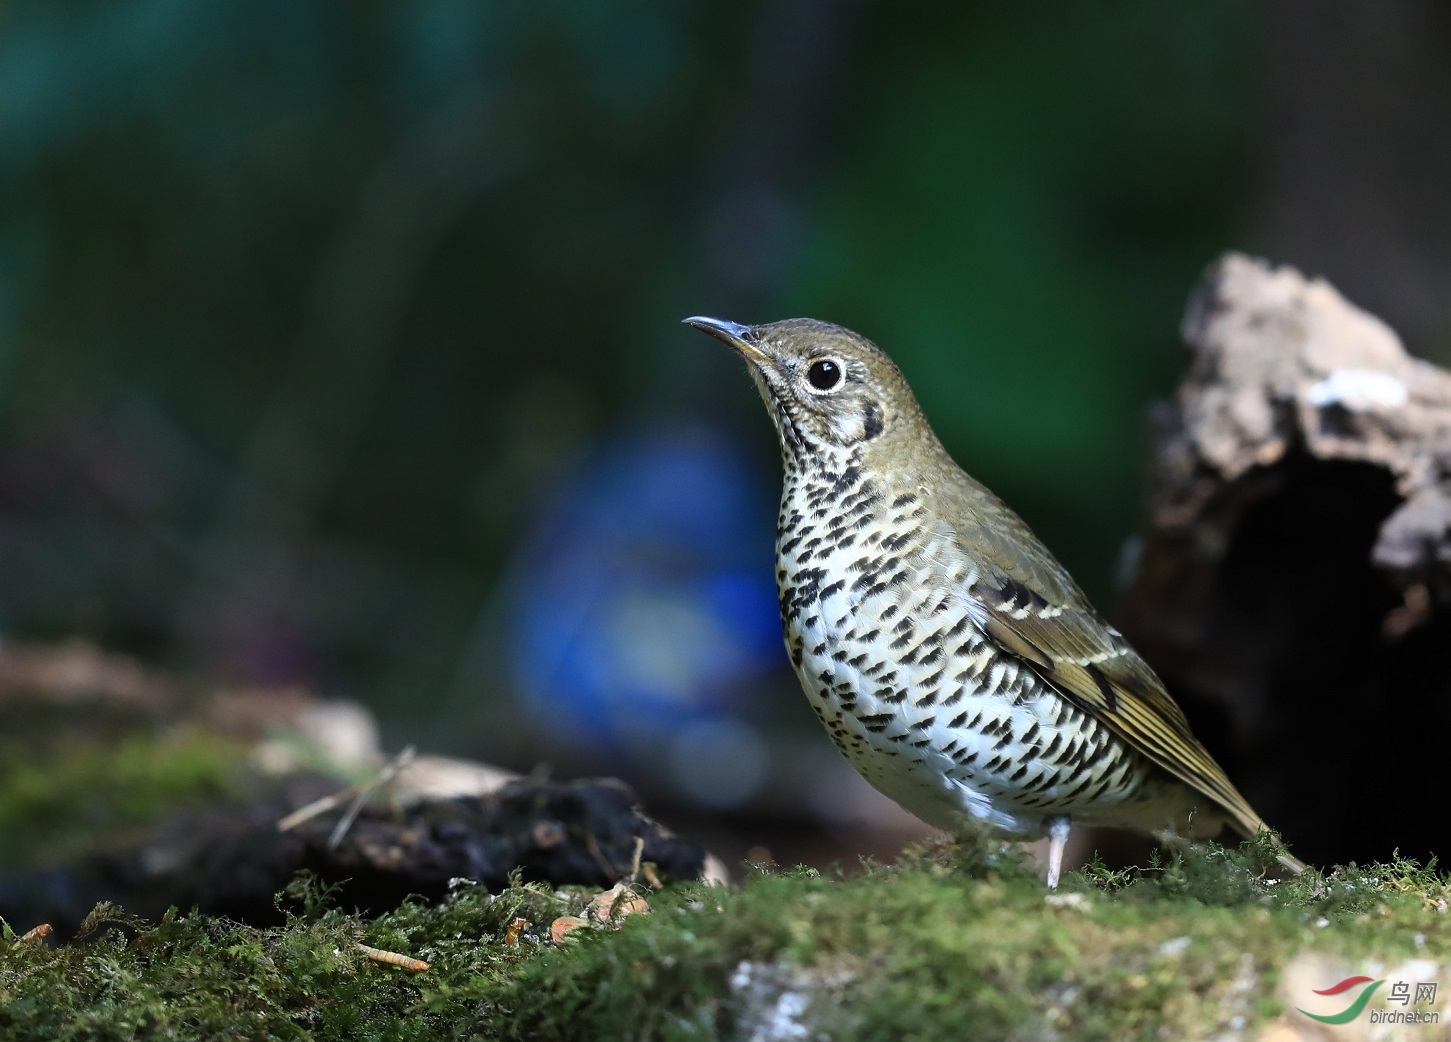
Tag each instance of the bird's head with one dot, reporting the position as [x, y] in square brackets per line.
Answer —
[829, 390]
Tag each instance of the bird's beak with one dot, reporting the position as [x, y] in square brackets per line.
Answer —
[732, 333]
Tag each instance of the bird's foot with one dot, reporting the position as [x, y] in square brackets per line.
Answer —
[1057, 840]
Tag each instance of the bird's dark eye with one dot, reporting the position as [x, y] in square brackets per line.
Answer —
[824, 374]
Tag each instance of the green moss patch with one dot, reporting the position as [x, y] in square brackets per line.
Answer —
[56, 800]
[956, 941]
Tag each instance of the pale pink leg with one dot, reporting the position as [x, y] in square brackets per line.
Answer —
[1057, 840]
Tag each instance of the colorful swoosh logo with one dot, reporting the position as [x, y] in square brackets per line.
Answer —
[1350, 1012]
[1345, 985]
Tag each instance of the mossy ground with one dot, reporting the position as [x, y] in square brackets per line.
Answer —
[957, 941]
[58, 794]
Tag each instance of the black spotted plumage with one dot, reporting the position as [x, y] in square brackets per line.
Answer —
[961, 669]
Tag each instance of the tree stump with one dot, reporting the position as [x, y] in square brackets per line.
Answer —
[1293, 574]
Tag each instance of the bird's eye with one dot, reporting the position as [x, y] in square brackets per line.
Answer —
[825, 374]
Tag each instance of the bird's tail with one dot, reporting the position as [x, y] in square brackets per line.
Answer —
[1291, 862]
[1251, 826]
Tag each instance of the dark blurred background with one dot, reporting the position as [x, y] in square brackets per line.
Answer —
[340, 343]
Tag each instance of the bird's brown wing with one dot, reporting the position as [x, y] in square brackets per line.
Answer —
[1092, 666]
[1030, 606]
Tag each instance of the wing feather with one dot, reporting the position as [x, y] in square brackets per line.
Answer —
[1098, 671]
[1028, 604]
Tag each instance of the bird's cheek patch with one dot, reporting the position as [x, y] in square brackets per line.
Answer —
[871, 421]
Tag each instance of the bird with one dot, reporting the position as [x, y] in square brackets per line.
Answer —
[951, 658]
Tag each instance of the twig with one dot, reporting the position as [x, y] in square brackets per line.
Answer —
[390, 769]
[592, 845]
[358, 794]
[635, 858]
[316, 807]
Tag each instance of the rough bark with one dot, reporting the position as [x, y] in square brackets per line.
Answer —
[1292, 579]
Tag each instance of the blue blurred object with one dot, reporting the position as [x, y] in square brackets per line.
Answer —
[644, 621]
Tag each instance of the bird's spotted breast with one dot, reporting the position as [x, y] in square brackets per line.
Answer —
[923, 704]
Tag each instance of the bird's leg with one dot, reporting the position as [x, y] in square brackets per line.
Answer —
[1057, 840]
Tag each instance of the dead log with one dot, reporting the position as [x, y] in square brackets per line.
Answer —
[1292, 579]
[233, 860]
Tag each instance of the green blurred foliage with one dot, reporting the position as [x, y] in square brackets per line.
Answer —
[1027, 197]
[55, 800]
[303, 305]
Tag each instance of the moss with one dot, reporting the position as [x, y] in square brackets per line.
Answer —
[940, 948]
[55, 800]
[953, 942]
[197, 977]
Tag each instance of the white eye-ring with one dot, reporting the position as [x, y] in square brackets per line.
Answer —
[825, 374]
